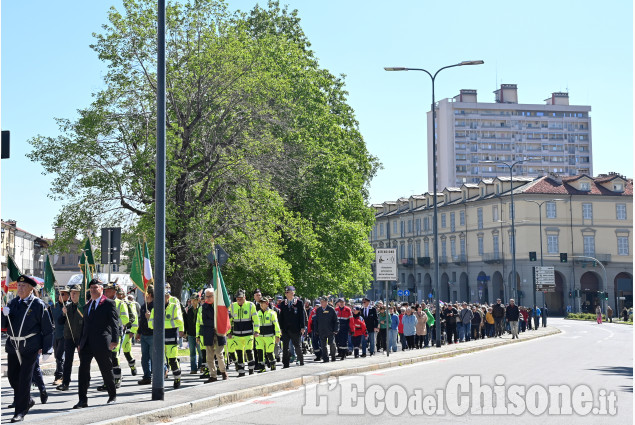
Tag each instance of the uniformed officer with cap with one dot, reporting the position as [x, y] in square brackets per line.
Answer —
[30, 333]
[245, 326]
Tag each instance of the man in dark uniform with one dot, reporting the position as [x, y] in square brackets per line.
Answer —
[72, 322]
[369, 314]
[100, 335]
[58, 341]
[30, 333]
[326, 325]
[293, 323]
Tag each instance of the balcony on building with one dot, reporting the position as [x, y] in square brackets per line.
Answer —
[408, 262]
[459, 260]
[492, 257]
[423, 261]
[443, 260]
[585, 262]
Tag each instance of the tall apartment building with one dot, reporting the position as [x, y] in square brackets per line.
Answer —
[556, 137]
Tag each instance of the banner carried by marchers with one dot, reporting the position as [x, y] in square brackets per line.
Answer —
[49, 279]
[136, 270]
[221, 302]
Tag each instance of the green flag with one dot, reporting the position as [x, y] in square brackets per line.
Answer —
[136, 270]
[88, 257]
[49, 279]
[87, 266]
[13, 272]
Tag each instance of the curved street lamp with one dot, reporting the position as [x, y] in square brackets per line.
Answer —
[434, 181]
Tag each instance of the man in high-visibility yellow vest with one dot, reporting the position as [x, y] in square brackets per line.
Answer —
[130, 330]
[110, 291]
[269, 336]
[244, 327]
[174, 327]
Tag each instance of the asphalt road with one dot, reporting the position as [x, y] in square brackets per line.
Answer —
[598, 356]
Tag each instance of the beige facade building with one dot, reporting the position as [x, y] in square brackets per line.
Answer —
[579, 216]
[555, 136]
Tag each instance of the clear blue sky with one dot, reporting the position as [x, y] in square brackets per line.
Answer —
[585, 47]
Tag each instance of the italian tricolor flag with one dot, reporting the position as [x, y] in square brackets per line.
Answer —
[147, 267]
[221, 303]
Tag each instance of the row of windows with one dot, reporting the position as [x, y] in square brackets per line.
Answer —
[522, 113]
[551, 212]
[553, 246]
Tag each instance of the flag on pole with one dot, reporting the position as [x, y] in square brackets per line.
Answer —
[87, 266]
[221, 303]
[147, 268]
[49, 279]
[136, 270]
[13, 272]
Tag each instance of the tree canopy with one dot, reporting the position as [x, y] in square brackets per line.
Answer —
[263, 152]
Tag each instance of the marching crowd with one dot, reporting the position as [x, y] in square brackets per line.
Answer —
[261, 333]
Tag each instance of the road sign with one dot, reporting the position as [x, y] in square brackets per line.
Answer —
[400, 293]
[386, 260]
[406, 292]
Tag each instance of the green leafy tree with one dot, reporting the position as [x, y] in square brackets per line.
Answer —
[263, 153]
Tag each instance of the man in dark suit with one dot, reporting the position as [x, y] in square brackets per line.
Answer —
[30, 332]
[100, 335]
[369, 314]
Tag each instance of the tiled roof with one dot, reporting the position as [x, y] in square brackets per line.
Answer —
[548, 185]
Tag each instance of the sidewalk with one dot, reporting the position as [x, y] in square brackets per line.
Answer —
[135, 406]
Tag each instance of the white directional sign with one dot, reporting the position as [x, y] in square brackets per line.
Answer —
[545, 278]
[386, 260]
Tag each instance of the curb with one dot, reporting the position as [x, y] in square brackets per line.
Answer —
[165, 413]
[48, 369]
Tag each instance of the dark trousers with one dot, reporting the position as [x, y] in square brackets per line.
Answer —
[315, 342]
[342, 340]
[328, 341]
[381, 339]
[104, 361]
[69, 356]
[295, 340]
[38, 379]
[58, 351]
[451, 332]
[410, 340]
[476, 330]
[20, 377]
[499, 326]
[357, 344]
[536, 322]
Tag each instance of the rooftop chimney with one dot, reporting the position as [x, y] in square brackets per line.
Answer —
[558, 98]
[508, 93]
[466, 95]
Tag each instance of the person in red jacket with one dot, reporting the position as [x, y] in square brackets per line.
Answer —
[315, 339]
[402, 337]
[345, 317]
[358, 330]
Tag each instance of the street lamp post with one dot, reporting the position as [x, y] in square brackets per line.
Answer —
[434, 183]
[512, 287]
[540, 204]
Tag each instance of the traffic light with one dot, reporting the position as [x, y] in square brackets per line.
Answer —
[570, 294]
[563, 257]
[606, 295]
[532, 255]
